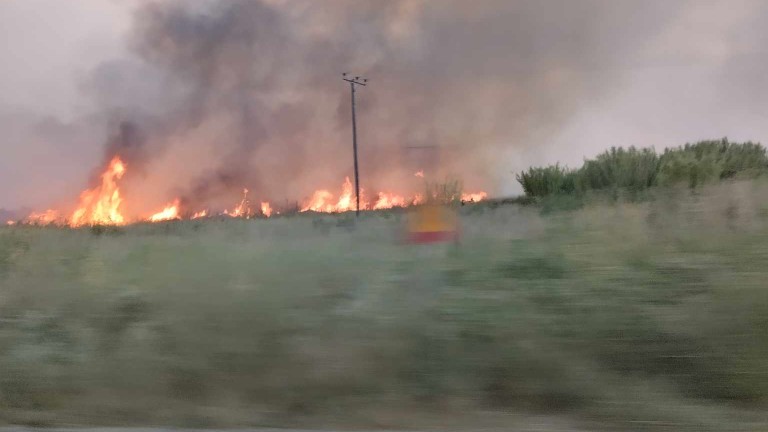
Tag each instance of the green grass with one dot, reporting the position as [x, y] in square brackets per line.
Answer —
[644, 316]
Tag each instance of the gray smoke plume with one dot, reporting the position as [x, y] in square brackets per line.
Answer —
[222, 95]
[250, 93]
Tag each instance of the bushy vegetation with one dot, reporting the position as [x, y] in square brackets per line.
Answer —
[708, 161]
[551, 180]
[648, 316]
[633, 171]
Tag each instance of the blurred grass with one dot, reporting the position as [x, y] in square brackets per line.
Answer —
[645, 316]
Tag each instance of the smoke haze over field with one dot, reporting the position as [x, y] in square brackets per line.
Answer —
[210, 96]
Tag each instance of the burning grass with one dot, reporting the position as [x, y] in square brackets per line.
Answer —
[627, 317]
[103, 204]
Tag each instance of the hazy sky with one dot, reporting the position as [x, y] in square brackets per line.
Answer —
[644, 73]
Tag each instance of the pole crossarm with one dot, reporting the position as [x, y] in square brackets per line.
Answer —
[354, 81]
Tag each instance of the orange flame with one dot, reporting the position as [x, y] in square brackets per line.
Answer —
[241, 210]
[171, 211]
[387, 200]
[323, 201]
[320, 202]
[10, 223]
[347, 199]
[43, 218]
[101, 205]
[474, 197]
[266, 209]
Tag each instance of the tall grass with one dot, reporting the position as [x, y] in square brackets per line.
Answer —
[447, 191]
[647, 316]
[632, 171]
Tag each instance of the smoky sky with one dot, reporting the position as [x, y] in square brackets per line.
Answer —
[204, 98]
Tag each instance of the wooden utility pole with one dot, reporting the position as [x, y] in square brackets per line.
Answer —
[352, 83]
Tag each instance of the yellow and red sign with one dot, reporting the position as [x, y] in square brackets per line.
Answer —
[433, 223]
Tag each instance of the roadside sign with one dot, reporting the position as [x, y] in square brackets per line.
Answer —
[433, 223]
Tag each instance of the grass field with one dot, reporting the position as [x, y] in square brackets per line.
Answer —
[623, 316]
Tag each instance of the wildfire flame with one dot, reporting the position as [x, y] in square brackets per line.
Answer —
[170, 212]
[386, 201]
[101, 205]
[323, 201]
[243, 209]
[44, 218]
[266, 209]
[320, 202]
[474, 197]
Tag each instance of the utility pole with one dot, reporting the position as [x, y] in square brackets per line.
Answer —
[352, 83]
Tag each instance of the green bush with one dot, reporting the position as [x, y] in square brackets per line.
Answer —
[629, 172]
[708, 161]
[551, 180]
[632, 169]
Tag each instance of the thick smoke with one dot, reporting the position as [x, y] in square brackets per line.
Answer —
[229, 94]
[248, 93]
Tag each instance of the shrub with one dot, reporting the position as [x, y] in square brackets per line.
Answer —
[551, 180]
[632, 169]
[636, 170]
[708, 161]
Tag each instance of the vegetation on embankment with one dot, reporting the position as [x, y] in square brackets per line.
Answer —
[644, 316]
[632, 172]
